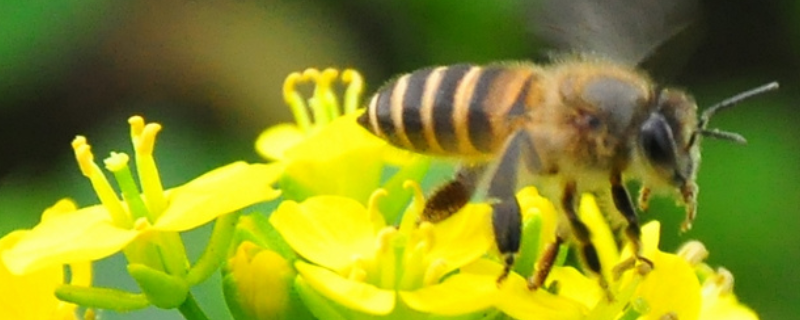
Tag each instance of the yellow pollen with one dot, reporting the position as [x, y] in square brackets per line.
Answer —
[78, 141]
[289, 86]
[146, 140]
[310, 74]
[85, 159]
[116, 161]
[137, 125]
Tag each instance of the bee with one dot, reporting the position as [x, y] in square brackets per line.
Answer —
[584, 124]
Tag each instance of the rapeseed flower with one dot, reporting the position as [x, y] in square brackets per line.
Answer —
[353, 258]
[32, 296]
[144, 225]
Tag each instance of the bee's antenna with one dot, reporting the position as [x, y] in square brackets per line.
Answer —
[725, 104]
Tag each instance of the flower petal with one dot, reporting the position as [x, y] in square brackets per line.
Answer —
[463, 237]
[515, 299]
[672, 286]
[64, 238]
[460, 293]
[726, 307]
[340, 159]
[355, 295]
[326, 230]
[602, 238]
[29, 296]
[273, 142]
[574, 285]
[218, 192]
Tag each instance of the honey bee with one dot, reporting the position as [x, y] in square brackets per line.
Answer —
[584, 124]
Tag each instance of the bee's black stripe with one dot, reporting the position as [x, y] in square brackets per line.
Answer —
[443, 107]
[412, 103]
[518, 108]
[384, 112]
[479, 126]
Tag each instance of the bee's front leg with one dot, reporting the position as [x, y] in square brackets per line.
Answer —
[622, 200]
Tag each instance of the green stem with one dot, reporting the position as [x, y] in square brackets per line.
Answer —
[217, 248]
[191, 310]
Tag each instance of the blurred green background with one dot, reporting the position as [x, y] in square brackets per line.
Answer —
[211, 73]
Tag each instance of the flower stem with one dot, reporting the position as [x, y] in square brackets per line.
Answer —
[191, 310]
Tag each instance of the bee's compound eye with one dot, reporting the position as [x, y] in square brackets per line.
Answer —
[657, 141]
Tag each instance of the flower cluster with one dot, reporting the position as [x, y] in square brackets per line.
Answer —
[343, 239]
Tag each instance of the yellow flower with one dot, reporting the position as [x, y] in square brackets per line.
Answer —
[258, 283]
[146, 224]
[333, 155]
[324, 106]
[719, 302]
[32, 296]
[670, 288]
[360, 263]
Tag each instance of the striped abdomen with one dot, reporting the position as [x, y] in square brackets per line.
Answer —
[453, 110]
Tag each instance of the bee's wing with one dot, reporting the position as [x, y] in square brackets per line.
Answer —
[627, 31]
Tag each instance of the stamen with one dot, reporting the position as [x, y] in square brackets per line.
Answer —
[413, 265]
[425, 234]
[141, 224]
[385, 258]
[296, 102]
[325, 95]
[434, 272]
[722, 282]
[357, 270]
[103, 189]
[144, 140]
[693, 252]
[355, 85]
[410, 218]
[315, 103]
[117, 163]
[374, 210]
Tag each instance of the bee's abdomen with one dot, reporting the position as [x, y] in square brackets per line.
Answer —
[453, 110]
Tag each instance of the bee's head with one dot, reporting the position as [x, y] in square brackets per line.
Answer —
[667, 138]
[670, 138]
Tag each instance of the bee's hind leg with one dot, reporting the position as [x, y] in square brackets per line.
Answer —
[454, 195]
[622, 200]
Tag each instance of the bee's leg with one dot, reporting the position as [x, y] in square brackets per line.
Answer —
[452, 196]
[622, 200]
[503, 183]
[581, 231]
[545, 264]
[644, 198]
